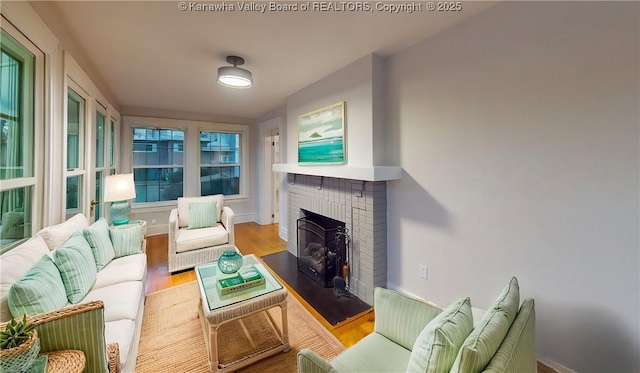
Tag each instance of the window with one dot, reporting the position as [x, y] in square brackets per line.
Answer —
[157, 166]
[18, 157]
[172, 158]
[75, 160]
[219, 163]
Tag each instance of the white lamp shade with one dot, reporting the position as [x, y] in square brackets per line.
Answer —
[119, 188]
[236, 77]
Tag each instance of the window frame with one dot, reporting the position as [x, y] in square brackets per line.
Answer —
[191, 154]
[35, 182]
[81, 172]
[221, 164]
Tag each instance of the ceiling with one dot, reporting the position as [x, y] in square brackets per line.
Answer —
[150, 54]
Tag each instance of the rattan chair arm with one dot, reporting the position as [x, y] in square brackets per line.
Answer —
[113, 354]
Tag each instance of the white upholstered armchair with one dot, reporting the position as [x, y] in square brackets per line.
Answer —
[200, 230]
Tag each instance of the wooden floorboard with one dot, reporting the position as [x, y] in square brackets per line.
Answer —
[259, 240]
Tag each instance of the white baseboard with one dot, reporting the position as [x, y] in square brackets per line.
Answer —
[555, 366]
[245, 218]
[153, 230]
[282, 232]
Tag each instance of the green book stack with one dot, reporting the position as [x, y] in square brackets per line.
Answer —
[246, 277]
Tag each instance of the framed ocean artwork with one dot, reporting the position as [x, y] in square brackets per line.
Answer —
[321, 136]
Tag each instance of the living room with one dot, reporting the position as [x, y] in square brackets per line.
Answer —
[515, 131]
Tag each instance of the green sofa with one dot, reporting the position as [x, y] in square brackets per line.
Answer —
[411, 335]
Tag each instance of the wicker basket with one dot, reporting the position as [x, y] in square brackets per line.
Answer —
[19, 359]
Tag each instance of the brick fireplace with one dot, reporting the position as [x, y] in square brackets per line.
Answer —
[362, 205]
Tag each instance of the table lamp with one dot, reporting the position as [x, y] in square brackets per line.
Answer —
[119, 189]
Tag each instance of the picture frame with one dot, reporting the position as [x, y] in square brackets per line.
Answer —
[321, 136]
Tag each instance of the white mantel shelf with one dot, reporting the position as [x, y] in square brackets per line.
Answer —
[372, 173]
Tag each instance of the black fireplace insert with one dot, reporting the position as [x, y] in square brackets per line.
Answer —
[320, 254]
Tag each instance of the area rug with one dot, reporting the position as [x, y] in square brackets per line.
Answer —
[172, 340]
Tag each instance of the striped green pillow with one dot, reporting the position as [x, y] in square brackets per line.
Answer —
[39, 290]
[77, 266]
[483, 342]
[98, 237]
[437, 345]
[406, 316]
[202, 214]
[127, 239]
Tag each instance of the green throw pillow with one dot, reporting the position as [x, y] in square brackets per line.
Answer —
[437, 345]
[98, 237]
[39, 290]
[483, 342]
[77, 267]
[127, 240]
[202, 214]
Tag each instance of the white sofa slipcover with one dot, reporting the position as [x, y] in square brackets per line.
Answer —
[117, 297]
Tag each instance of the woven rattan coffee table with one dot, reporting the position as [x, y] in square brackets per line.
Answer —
[237, 313]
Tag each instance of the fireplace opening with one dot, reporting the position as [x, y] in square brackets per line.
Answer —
[320, 254]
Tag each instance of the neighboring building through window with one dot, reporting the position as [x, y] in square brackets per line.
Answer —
[172, 158]
[158, 164]
[219, 163]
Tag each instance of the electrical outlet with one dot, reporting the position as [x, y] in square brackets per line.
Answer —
[424, 272]
[153, 221]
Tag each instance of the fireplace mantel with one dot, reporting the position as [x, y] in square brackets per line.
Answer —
[372, 173]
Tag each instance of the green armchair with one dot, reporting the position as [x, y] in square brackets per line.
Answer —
[397, 343]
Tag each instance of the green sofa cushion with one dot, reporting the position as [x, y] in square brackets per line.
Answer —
[39, 290]
[98, 237]
[127, 239]
[77, 267]
[437, 345]
[202, 214]
[400, 318]
[483, 342]
[517, 353]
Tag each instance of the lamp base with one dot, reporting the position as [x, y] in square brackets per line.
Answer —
[120, 212]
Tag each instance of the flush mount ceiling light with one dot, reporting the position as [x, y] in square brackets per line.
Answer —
[234, 76]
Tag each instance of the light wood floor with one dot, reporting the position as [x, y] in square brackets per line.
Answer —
[259, 240]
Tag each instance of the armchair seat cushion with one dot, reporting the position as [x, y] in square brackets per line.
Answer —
[192, 239]
[373, 353]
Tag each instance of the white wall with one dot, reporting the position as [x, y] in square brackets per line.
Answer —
[353, 84]
[518, 133]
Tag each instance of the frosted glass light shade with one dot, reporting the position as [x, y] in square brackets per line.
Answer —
[235, 77]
